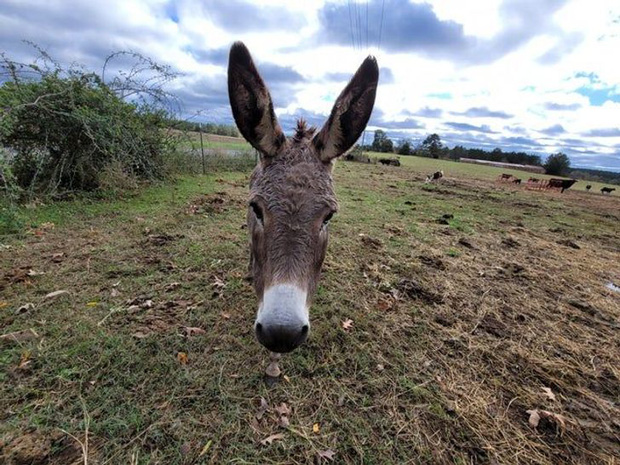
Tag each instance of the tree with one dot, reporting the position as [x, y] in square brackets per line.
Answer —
[381, 142]
[404, 148]
[557, 164]
[433, 145]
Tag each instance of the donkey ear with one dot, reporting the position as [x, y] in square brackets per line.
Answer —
[251, 103]
[350, 114]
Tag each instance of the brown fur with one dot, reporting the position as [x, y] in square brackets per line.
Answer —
[291, 190]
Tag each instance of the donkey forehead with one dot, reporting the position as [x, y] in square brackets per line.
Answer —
[295, 184]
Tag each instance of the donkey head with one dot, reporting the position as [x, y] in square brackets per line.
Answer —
[291, 194]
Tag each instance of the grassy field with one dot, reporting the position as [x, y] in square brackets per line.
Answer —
[472, 303]
[490, 173]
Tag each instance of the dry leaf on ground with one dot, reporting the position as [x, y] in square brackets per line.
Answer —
[270, 439]
[20, 336]
[182, 358]
[536, 416]
[283, 409]
[316, 428]
[347, 324]
[192, 330]
[51, 295]
[550, 395]
[326, 454]
[264, 406]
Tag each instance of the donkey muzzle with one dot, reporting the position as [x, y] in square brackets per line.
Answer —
[282, 323]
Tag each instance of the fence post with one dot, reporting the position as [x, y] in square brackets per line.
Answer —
[202, 151]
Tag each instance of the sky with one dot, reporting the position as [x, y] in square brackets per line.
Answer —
[538, 76]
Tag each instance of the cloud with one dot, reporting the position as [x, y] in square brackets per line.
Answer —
[607, 132]
[408, 123]
[239, 16]
[484, 112]
[470, 127]
[427, 112]
[273, 73]
[406, 26]
[415, 27]
[562, 106]
[385, 76]
[554, 130]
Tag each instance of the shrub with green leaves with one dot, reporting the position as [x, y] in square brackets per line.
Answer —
[65, 128]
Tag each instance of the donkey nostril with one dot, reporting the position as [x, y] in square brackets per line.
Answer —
[259, 328]
[304, 330]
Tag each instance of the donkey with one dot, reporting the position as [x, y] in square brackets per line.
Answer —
[292, 196]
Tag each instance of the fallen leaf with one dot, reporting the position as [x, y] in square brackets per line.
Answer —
[225, 315]
[172, 286]
[270, 439]
[283, 409]
[140, 334]
[286, 378]
[57, 257]
[536, 416]
[3, 304]
[316, 428]
[550, 395]
[51, 295]
[206, 448]
[326, 454]
[182, 358]
[264, 406]
[20, 336]
[284, 422]
[24, 360]
[92, 304]
[380, 367]
[114, 292]
[34, 273]
[25, 308]
[193, 330]
[347, 324]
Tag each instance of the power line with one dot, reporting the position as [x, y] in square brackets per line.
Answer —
[351, 26]
[381, 24]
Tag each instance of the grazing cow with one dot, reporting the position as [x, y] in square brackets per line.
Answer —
[389, 161]
[516, 181]
[505, 177]
[588, 187]
[562, 184]
[607, 190]
[436, 176]
[533, 180]
[292, 197]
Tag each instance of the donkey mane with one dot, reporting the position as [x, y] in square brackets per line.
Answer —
[303, 131]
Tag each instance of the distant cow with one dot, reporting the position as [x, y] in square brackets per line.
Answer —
[588, 187]
[533, 180]
[436, 176]
[505, 177]
[607, 190]
[562, 184]
[516, 181]
[389, 161]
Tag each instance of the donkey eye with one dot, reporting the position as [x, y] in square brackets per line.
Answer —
[327, 218]
[257, 211]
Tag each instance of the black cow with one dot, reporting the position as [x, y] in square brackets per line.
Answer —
[562, 184]
[588, 187]
[607, 190]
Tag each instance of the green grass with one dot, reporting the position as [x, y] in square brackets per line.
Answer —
[451, 344]
[472, 171]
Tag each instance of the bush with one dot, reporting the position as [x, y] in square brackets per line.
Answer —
[557, 164]
[69, 131]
